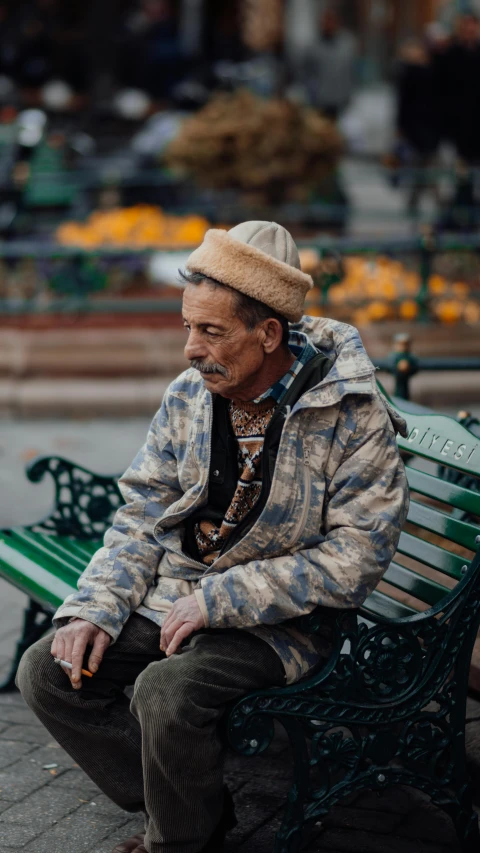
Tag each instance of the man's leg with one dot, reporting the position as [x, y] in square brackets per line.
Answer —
[95, 724]
[179, 702]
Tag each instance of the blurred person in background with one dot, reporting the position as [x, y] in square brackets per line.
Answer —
[152, 58]
[329, 70]
[35, 53]
[418, 118]
[460, 74]
[458, 80]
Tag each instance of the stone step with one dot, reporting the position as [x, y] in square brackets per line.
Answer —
[81, 398]
[140, 395]
[92, 353]
[127, 351]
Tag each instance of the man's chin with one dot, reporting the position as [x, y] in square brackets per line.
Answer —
[214, 381]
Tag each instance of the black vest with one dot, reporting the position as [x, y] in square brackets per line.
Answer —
[223, 475]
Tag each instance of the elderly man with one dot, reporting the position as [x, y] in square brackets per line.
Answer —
[270, 483]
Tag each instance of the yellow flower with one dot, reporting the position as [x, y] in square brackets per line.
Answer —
[471, 313]
[140, 226]
[309, 260]
[437, 284]
[408, 309]
[460, 289]
[378, 311]
[448, 311]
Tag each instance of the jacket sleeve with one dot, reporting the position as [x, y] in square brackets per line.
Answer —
[116, 580]
[366, 507]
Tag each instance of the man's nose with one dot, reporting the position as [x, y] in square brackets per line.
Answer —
[195, 347]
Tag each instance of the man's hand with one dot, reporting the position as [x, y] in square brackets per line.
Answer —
[184, 618]
[70, 643]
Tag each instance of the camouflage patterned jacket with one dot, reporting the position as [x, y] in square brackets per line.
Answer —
[327, 534]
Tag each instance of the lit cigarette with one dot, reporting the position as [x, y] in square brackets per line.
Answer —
[69, 666]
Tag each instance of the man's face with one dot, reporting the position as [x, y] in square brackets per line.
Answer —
[219, 342]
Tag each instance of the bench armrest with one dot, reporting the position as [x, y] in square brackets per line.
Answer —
[84, 503]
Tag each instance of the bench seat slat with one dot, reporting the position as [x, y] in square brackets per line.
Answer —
[442, 490]
[425, 589]
[431, 555]
[380, 604]
[460, 532]
[34, 580]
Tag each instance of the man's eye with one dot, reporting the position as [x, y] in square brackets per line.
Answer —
[211, 334]
[186, 327]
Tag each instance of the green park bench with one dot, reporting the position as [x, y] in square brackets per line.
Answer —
[388, 707]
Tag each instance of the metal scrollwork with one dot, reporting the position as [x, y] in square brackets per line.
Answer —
[85, 503]
[425, 746]
[387, 663]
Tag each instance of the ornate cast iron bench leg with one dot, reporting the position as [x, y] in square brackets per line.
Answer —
[32, 631]
[290, 836]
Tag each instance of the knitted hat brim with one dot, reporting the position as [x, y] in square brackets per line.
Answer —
[253, 272]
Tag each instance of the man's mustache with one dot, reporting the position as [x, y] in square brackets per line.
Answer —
[206, 367]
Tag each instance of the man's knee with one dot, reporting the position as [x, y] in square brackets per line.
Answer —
[35, 669]
[163, 689]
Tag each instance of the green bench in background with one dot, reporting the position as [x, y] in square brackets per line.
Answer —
[46, 559]
[388, 708]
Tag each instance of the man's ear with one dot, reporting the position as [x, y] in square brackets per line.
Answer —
[273, 333]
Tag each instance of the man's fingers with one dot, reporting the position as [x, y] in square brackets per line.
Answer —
[170, 633]
[180, 635]
[100, 643]
[171, 618]
[60, 648]
[171, 615]
[78, 653]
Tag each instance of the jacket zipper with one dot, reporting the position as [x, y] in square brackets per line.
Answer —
[189, 560]
[308, 494]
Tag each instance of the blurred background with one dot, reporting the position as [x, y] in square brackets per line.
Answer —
[129, 127]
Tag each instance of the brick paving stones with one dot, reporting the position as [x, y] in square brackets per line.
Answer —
[59, 810]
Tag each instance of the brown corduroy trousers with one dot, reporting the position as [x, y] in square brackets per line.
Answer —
[162, 752]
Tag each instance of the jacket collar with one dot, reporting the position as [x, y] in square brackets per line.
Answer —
[342, 344]
[352, 371]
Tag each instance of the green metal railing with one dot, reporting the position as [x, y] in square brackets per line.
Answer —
[72, 279]
[402, 364]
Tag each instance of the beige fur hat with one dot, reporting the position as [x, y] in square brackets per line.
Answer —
[259, 259]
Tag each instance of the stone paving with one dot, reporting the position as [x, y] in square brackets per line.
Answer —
[48, 805]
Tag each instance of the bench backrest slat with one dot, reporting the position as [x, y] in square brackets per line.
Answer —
[442, 490]
[49, 546]
[83, 549]
[431, 555]
[380, 604]
[461, 532]
[35, 579]
[48, 550]
[407, 580]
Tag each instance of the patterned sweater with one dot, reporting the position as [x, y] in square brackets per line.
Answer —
[250, 421]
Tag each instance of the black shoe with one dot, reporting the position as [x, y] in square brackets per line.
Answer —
[227, 822]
